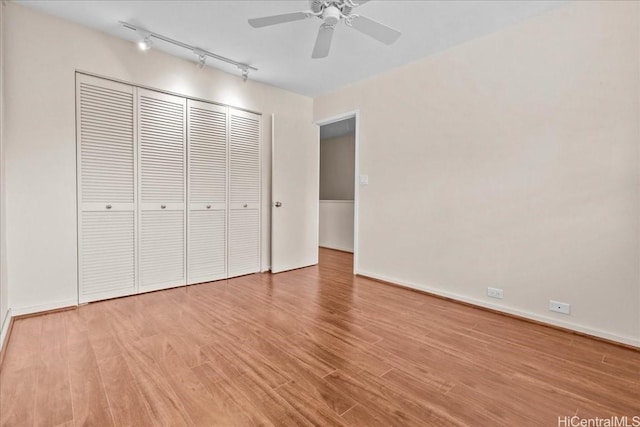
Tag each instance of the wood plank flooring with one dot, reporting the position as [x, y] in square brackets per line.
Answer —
[314, 346]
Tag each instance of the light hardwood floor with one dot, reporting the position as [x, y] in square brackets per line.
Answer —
[314, 346]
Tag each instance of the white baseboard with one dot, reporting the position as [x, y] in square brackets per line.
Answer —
[43, 307]
[516, 312]
[4, 328]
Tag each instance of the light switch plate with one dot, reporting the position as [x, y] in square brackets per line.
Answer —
[364, 179]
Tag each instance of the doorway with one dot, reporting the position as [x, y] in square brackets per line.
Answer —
[338, 189]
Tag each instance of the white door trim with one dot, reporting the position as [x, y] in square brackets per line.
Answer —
[356, 183]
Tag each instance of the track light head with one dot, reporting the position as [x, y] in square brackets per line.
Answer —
[245, 73]
[145, 44]
[202, 57]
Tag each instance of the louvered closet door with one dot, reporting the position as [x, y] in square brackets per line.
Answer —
[162, 169]
[244, 193]
[106, 188]
[207, 213]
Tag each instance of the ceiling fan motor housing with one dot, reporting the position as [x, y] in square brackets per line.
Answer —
[331, 15]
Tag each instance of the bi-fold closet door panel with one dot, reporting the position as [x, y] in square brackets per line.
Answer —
[168, 190]
[162, 188]
[207, 136]
[244, 193]
[106, 154]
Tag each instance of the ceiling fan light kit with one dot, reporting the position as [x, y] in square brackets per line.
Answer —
[331, 12]
[331, 15]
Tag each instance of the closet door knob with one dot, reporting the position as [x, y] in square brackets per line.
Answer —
[245, 205]
[278, 204]
[108, 206]
[163, 206]
[208, 206]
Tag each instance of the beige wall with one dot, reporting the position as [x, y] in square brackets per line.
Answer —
[511, 161]
[336, 225]
[43, 53]
[337, 167]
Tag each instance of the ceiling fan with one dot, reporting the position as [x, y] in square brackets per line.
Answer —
[331, 12]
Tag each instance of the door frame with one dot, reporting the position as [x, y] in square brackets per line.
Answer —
[356, 179]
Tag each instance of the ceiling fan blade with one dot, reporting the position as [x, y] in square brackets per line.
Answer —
[278, 19]
[323, 41]
[378, 31]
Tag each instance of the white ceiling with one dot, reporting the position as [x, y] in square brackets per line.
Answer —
[282, 53]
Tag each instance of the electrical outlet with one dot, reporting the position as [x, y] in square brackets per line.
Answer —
[495, 293]
[560, 307]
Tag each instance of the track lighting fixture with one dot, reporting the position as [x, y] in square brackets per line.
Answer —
[146, 42]
[202, 57]
[245, 73]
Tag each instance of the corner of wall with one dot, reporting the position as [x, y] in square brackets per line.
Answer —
[5, 325]
[5, 312]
